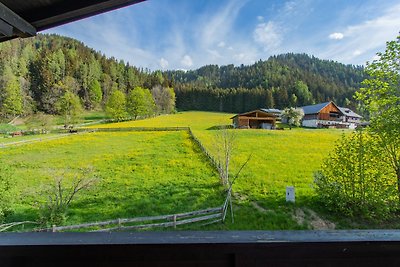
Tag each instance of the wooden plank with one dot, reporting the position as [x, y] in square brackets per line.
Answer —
[8, 16]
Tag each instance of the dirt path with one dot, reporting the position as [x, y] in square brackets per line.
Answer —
[311, 218]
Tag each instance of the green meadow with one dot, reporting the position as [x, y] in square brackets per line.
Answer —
[278, 159]
[155, 173]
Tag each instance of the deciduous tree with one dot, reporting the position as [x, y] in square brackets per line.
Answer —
[116, 106]
[381, 96]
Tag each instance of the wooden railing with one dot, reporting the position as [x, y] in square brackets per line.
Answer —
[208, 216]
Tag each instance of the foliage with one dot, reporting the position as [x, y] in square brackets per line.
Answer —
[281, 81]
[60, 195]
[355, 180]
[164, 98]
[6, 198]
[10, 95]
[293, 116]
[69, 106]
[95, 94]
[116, 105]
[381, 97]
[140, 103]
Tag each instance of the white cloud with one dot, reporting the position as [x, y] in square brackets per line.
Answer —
[164, 63]
[221, 44]
[367, 37]
[260, 18]
[187, 61]
[336, 36]
[289, 6]
[267, 35]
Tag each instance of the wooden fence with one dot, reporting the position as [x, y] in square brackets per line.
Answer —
[136, 129]
[214, 162]
[207, 216]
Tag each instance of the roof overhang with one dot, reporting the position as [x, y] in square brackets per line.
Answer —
[22, 18]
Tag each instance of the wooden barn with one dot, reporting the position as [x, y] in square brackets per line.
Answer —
[256, 119]
[323, 115]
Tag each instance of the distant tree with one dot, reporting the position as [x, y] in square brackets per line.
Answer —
[69, 106]
[293, 116]
[269, 103]
[116, 106]
[95, 94]
[164, 99]
[303, 94]
[381, 97]
[149, 105]
[135, 103]
[10, 95]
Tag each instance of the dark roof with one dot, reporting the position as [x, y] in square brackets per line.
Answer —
[23, 18]
[349, 112]
[249, 112]
[313, 109]
[271, 110]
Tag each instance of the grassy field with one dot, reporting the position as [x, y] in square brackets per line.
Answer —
[153, 173]
[278, 159]
[139, 174]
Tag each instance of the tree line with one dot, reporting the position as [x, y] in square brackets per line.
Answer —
[279, 82]
[60, 75]
[51, 73]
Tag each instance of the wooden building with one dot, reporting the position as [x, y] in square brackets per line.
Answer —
[323, 115]
[256, 119]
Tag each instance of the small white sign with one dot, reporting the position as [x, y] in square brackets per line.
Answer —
[290, 196]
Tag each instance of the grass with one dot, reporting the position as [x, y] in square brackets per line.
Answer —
[278, 159]
[153, 173]
[136, 178]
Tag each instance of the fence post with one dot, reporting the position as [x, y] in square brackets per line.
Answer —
[119, 223]
[174, 221]
[54, 228]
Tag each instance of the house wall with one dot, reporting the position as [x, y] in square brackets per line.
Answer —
[326, 113]
[310, 123]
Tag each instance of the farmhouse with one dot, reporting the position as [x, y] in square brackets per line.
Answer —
[329, 115]
[322, 115]
[256, 119]
[350, 118]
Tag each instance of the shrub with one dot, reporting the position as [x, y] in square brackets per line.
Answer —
[356, 180]
[60, 195]
[5, 191]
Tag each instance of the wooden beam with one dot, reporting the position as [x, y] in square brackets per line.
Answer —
[19, 27]
[84, 11]
[6, 29]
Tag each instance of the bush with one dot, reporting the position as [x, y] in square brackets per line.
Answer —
[5, 191]
[356, 179]
[61, 193]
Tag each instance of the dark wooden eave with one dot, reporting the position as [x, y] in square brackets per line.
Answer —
[23, 18]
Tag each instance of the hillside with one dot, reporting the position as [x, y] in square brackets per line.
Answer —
[281, 81]
[36, 72]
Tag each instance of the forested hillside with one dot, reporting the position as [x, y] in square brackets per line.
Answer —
[281, 81]
[45, 72]
[50, 73]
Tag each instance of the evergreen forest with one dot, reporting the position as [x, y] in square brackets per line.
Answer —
[49, 73]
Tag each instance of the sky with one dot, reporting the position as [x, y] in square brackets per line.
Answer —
[188, 34]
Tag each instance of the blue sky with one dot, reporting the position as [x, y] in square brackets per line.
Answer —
[187, 34]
